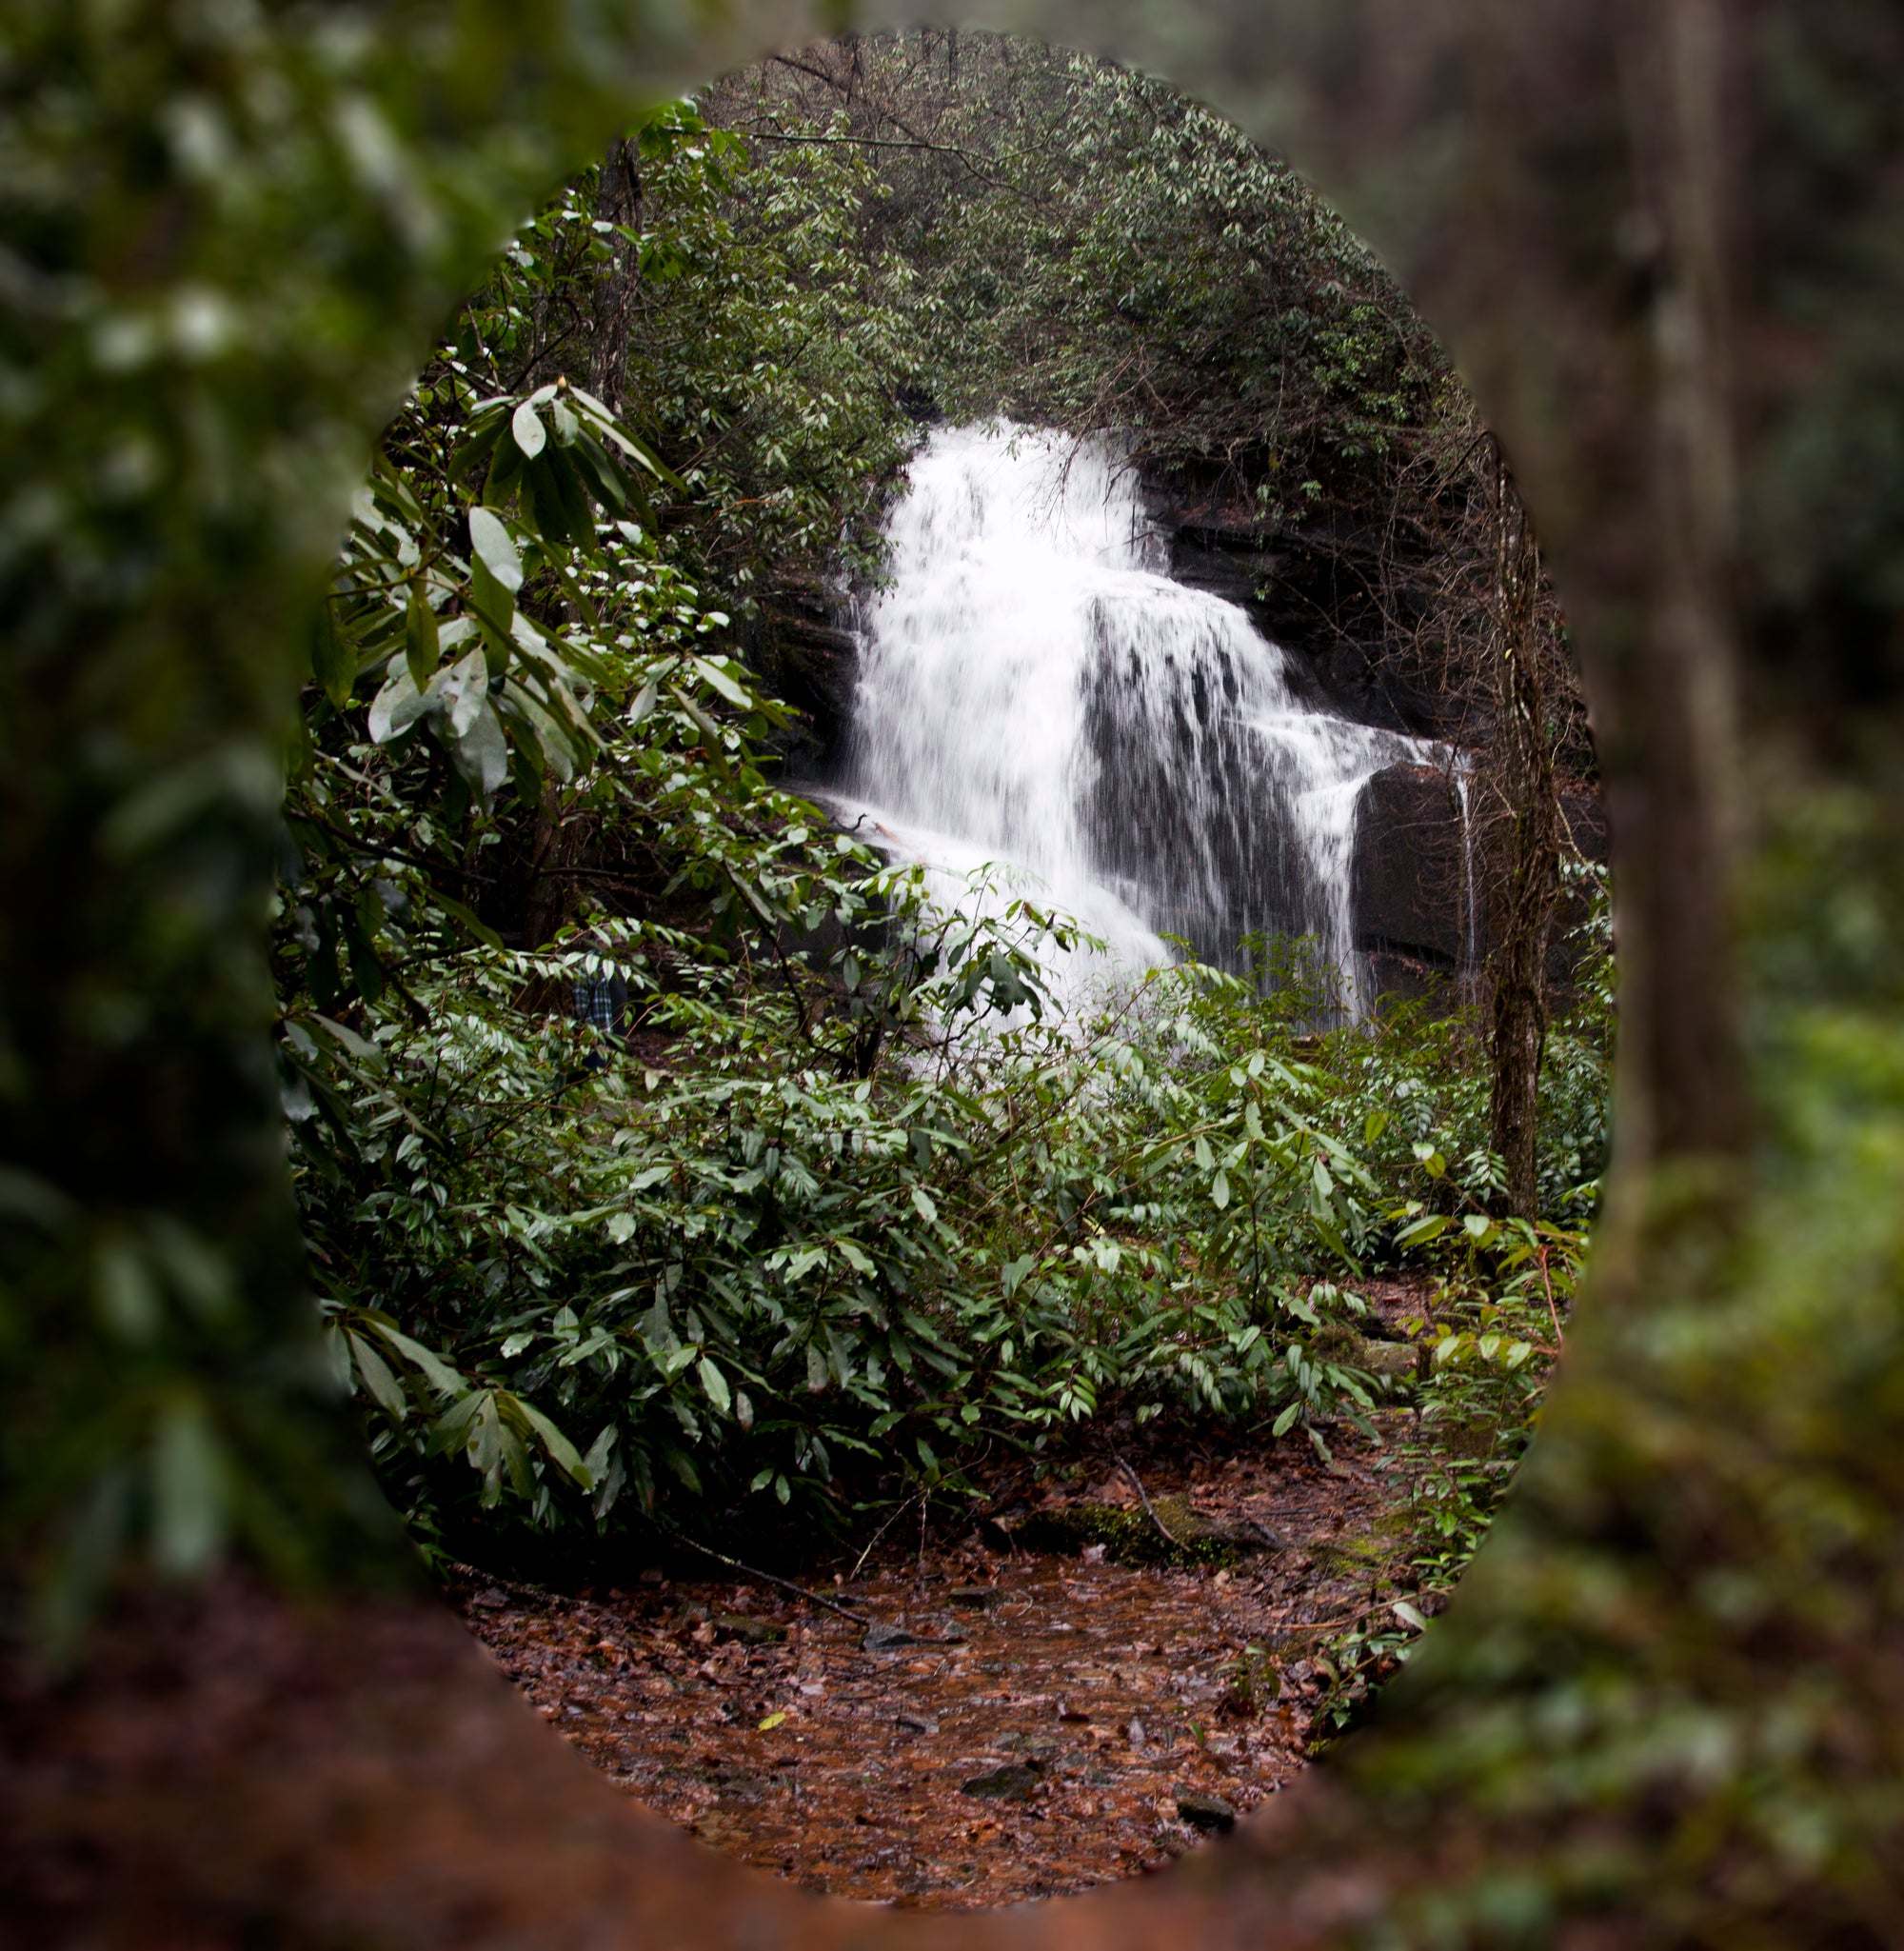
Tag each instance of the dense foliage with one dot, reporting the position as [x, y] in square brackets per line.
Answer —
[1090, 248]
[852, 1201]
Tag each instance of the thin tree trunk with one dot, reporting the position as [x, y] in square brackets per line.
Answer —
[1526, 881]
[618, 202]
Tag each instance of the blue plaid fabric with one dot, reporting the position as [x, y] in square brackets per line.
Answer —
[595, 1000]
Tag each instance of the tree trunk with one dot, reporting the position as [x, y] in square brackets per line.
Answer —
[1525, 881]
[618, 202]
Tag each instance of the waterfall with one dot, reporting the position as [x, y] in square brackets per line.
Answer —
[1036, 693]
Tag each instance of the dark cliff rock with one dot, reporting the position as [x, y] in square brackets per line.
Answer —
[803, 646]
[1409, 892]
[1413, 897]
[1313, 590]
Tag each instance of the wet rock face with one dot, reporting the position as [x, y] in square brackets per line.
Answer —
[806, 646]
[1408, 890]
[1414, 900]
[1311, 592]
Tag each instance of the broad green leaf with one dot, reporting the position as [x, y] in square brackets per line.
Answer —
[525, 425]
[718, 681]
[423, 649]
[716, 1385]
[333, 659]
[559, 1448]
[481, 755]
[491, 540]
[374, 1372]
[396, 707]
[191, 1491]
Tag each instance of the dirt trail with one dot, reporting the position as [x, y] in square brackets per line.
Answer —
[1057, 1721]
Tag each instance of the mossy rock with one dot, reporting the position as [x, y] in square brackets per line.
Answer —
[1394, 1363]
[1129, 1537]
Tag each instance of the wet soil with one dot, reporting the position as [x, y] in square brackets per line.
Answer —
[1057, 1721]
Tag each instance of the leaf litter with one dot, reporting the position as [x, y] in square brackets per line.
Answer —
[1008, 1724]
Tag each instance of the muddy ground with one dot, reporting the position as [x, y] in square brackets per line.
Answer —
[997, 1724]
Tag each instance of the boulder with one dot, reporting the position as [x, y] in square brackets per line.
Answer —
[1413, 898]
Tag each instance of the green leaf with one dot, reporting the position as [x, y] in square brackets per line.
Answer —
[374, 1372]
[333, 660]
[1220, 1190]
[423, 648]
[530, 435]
[596, 1462]
[716, 1385]
[460, 692]
[1431, 1227]
[718, 680]
[923, 1204]
[559, 1448]
[481, 755]
[191, 1491]
[397, 707]
[494, 549]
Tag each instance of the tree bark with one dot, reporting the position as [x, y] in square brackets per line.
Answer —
[1525, 881]
[618, 202]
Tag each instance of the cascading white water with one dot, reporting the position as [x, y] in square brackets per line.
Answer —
[1034, 691]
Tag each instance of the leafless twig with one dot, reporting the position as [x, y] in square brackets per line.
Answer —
[1150, 1509]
